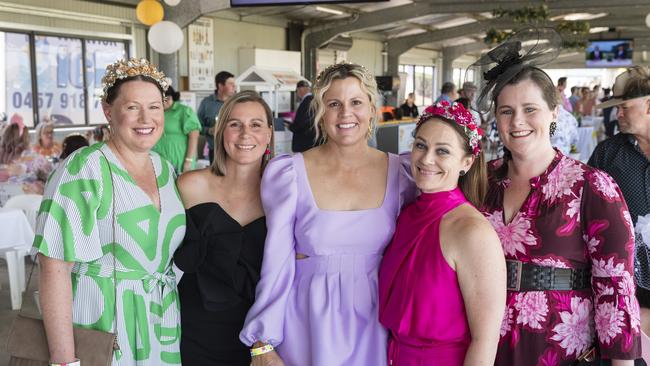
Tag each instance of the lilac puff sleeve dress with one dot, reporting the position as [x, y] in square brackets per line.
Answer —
[322, 310]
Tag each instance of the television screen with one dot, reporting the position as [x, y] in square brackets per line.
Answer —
[234, 3]
[609, 53]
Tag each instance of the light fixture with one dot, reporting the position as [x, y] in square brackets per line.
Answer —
[329, 10]
[598, 29]
[584, 16]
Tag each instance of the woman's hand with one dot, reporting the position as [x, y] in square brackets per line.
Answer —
[268, 359]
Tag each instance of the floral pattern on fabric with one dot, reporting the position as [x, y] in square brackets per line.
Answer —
[574, 217]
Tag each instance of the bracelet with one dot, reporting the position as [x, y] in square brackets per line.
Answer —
[261, 350]
[189, 160]
[76, 362]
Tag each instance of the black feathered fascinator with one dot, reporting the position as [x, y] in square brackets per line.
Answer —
[526, 47]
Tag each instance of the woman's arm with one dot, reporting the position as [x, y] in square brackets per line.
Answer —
[190, 154]
[481, 270]
[55, 290]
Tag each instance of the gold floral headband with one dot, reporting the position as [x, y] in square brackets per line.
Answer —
[122, 69]
[340, 66]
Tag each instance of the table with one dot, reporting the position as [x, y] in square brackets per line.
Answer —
[587, 142]
[15, 243]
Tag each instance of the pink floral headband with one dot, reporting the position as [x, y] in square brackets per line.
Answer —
[457, 113]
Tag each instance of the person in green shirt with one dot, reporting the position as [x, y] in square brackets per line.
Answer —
[180, 138]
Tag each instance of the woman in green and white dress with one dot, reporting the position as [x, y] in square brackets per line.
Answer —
[119, 183]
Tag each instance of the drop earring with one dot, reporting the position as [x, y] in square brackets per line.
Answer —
[552, 128]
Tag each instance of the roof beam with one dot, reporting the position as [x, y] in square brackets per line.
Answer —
[403, 44]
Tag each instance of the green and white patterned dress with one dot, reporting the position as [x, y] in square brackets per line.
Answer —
[75, 224]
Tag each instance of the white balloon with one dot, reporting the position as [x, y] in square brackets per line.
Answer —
[165, 37]
[172, 2]
[647, 20]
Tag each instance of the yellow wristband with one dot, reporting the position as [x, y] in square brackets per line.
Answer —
[261, 350]
[189, 160]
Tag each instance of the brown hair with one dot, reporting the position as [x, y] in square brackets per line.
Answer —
[339, 72]
[474, 182]
[13, 143]
[113, 92]
[218, 166]
[549, 93]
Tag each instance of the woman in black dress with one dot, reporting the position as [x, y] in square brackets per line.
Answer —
[221, 256]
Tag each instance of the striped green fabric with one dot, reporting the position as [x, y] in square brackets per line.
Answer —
[75, 224]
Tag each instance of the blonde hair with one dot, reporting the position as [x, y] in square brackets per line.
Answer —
[218, 166]
[339, 72]
[40, 129]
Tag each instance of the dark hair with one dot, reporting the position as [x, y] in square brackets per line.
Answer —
[539, 78]
[561, 81]
[176, 96]
[72, 143]
[573, 89]
[218, 166]
[221, 78]
[464, 102]
[113, 91]
[447, 87]
[549, 93]
[474, 183]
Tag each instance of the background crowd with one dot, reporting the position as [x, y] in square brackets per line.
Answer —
[341, 254]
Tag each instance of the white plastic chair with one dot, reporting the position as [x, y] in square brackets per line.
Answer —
[15, 258]
[29, 203]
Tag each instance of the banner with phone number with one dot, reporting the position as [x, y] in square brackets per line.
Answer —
[60, 97]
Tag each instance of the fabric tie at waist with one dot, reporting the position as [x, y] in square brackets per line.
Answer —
[160, 285]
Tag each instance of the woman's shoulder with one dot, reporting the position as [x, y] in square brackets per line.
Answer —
[196, 179]
[282, 163]
[87, 156]
[194, 186]
[468, 224]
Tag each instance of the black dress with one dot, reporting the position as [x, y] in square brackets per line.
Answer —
[221, 261]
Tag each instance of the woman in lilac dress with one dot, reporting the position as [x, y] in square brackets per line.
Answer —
[330, 213]
[566, 234]
[442, 281]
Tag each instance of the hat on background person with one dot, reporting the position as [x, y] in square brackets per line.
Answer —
[632, 84]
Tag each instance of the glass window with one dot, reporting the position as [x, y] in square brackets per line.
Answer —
[59, 80]
[16, 77]
[419, 87]
[99, 54]
[427, 85]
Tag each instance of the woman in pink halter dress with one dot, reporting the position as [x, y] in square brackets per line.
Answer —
[442, 279]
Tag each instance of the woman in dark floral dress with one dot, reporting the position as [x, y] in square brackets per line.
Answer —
[566, 234]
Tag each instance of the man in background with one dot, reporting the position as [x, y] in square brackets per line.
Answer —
[575, 97]
[447, 93]
[626, 158]
[561, 87]
[211, 105]
[304, 135]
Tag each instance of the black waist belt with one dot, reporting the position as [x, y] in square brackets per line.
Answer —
[531, 277]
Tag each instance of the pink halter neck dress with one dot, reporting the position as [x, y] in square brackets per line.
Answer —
[420, 301]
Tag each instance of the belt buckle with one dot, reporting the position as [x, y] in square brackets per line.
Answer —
[588, 356]
[520, 265]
